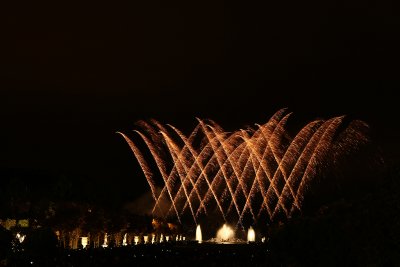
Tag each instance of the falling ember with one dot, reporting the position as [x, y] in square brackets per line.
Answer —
[260, 172]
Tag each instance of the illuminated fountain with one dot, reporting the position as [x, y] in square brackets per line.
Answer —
[251, 235]
[252, 173]
[84, 241]
[199, 236]
[225, 234]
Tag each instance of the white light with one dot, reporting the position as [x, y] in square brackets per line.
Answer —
[124, 243]
[84, 241]
[20, 237]
[105, 241]
[146, 239]
[199, 236]
[251, 235]
[225, 233]
[167, 238]
[136, 239]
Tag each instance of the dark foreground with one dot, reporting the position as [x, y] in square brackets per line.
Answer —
[205, 254]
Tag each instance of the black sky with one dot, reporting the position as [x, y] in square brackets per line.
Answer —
[73, 74]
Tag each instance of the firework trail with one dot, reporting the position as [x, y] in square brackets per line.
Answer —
[256, 171]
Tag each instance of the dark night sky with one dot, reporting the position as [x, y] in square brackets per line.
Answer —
[73, 74]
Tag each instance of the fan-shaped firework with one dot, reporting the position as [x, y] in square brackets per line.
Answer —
[260, 171]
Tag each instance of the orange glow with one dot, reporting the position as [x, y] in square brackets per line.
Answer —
[233, 169]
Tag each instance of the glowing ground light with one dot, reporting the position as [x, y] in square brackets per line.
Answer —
[257, 172]
[105, 242]
[225, 233]
[199, 236]
[251, 235]
[124, 241]
[84, 241]
[20, 237]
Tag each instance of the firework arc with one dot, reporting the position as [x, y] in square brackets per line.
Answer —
[256, 172]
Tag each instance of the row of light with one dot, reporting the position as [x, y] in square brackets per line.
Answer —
[147, 239]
